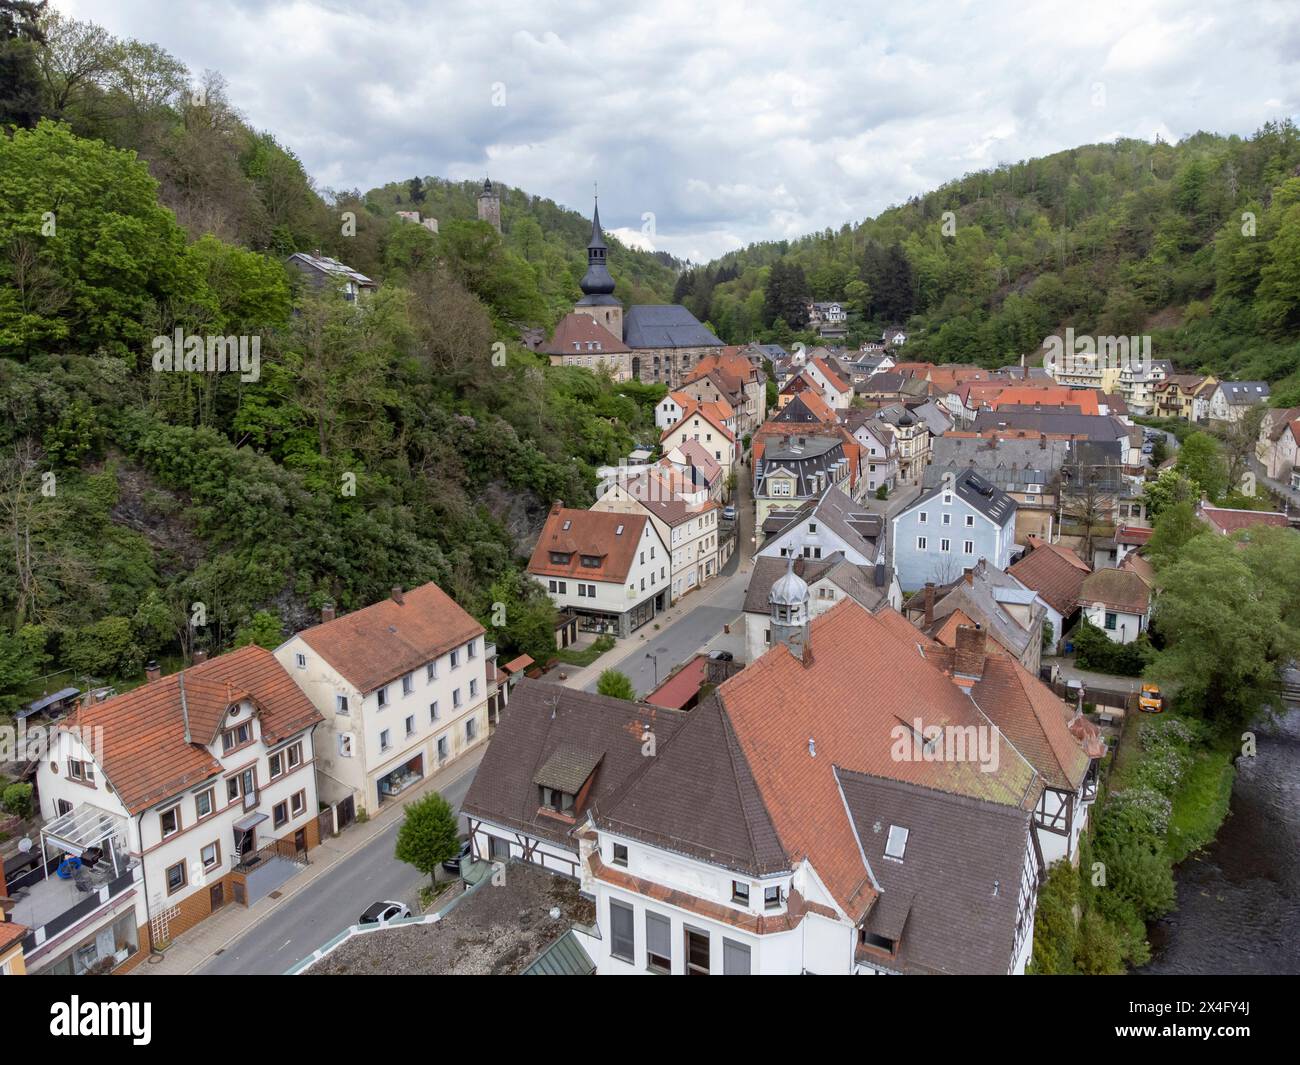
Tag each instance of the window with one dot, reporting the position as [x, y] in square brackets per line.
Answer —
[204, 802]
[740, 892]
[345, 745]
[947, 519]
[470, 651]
[920, 543]
[83, 771]
[735, 958]
[970, 521]
[410, 724]
[455, 659]
[301, 661]
[341, 704]
[473, 688]
[622, 941]
[236, 737]
[293, 756]
[455, 698]
[658, 943]
[298, 803]
[560, 801]
[442, 748]
[771, 898]
[384, 741]
[1111, 620]
[175, 877]
[924, 517]
[433, 711]
[280, 814]
[277, 765]
[210, 855]
[170, 821]
[945, 544]
[381, 697]
[232, 788]
[968, 546]
[431, 670]
[896, 843]
[471, 729]
[408, 684]
[620, 854]
[498, 849]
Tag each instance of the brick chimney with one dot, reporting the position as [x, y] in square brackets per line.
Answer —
[971, 650]
[969, 574]
[327, 611]
[152, 672]
[929, 603]
[200, 656]
[397, 595]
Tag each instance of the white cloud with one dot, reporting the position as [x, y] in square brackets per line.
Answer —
[733, 121]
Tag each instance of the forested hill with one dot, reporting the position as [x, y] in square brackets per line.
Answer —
[405, 438]
[1197, 243]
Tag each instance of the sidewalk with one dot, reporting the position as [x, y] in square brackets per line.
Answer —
[197, 946]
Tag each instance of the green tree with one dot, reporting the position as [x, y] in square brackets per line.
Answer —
[264, 628]
[428, 835]
[1200, 460]
[21, 41]
[616, 685]
[1176, 525]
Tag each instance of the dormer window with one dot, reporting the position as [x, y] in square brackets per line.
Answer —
[560, 558]
[772, 898]
[591, 561]
[559, 801]
[237, 737]
[740, 892]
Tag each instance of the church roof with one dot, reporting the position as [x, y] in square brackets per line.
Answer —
[665, 326]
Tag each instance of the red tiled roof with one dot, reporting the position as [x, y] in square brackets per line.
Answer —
[386, 640]
[1230, 521]
[1056, 573]
[1134, 535]
[715, 413]
[144, 754]
[1047, 395]
[863, 681]
[518, 665]
[836, 381]
[575, 332]
[10, 933]
[594, 533]
[678, 690]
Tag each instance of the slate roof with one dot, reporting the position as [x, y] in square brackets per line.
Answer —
[1053, 420]
[1054, 572]
[1244, 393]
[983, 599]
[324, 265]
[1119, 589]
[386, 640]
[951, 904]
[805, 408]
[977, 492]
[1010, 464]
[145, 755]
[869, 585]
[546, 726]
[665, 326]
[594, 533]
[856, 527]
[815, 454]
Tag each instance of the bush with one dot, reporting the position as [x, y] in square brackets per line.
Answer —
[616, 685]
[882, 492]
[17, 799]
[1096, 651]
[1055, 934]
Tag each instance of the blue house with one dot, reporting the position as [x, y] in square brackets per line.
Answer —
[950, 527]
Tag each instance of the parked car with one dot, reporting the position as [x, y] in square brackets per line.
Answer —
[383, 912]
[728, 513]
[452, 865]
[1150, 699]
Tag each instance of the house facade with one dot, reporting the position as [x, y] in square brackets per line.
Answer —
[169, 802]
[951, 527]
[706, 424]
[403, 686]
[1118, 602]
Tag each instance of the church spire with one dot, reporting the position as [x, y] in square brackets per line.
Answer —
[597, 285]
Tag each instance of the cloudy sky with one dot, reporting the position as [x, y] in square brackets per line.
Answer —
[725, 122]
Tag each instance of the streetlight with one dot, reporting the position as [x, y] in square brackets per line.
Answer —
[654, 657]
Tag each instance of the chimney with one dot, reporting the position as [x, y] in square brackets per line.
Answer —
[1042, 441]
[969, 656]
[798, 565]
[327, 611]
[397, 594]
[200, 656]
[929, 603]
[969, 574]
[151, 671]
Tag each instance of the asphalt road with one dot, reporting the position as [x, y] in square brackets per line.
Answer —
[328, 905]
[674, 644]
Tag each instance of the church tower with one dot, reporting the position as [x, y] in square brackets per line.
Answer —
[597, 284]
[788, 604]
[489, 205]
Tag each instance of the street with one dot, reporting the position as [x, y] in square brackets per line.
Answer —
[330, 904]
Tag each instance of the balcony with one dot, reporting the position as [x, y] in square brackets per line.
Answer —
[52, 905]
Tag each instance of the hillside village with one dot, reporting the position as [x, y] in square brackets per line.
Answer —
[456, 586]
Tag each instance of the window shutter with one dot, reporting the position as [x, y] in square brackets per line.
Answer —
[658, 935]
[735, 958]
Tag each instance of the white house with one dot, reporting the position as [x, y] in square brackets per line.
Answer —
[822, 527]
[403, 687]
[1231, 399]
[193, 792]
[705, 423]
[609, 568]
[1118, 602]
[835, 390]
[668, 411]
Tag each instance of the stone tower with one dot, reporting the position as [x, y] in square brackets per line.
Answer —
[489, 205]
[597, 285]
[788, 604]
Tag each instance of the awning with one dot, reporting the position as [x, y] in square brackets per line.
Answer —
[83, 827]
[251, 821]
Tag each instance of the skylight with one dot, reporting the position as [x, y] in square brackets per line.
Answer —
[896, 844]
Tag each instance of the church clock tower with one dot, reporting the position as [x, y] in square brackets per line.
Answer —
[597, 284]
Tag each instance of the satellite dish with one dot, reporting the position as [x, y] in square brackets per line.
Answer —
[24, 844]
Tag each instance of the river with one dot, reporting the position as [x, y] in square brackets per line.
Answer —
[1239, 899]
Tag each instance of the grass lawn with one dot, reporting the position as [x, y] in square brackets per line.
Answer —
[1201, 802]
[587, 655]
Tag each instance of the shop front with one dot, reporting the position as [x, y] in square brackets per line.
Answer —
[406, 775]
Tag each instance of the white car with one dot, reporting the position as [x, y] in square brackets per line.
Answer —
[383, 912]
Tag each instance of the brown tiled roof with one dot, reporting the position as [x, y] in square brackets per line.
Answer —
[543, 719]
[715, 413]
[386, 640]
[1120, 589]
[1230, 521]
[575, 331]
[10, 933]
[1034, 720]
[144, 754]
[832, 375]
[1054, 572]
[1134, 535]
[864, 679]
[594, 533]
